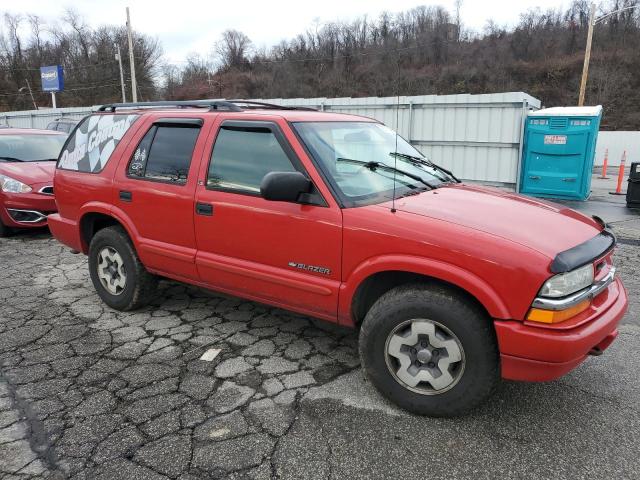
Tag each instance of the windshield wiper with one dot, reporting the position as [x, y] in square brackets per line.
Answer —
[11, 159]
[423, 161]
[375, 165]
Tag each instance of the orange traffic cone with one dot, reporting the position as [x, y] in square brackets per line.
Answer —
[623, 160]
[605, 164]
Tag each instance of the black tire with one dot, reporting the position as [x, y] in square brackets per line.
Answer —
[465, 320]
[139, 286]
[4, 230]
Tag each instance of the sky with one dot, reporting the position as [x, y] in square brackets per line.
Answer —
[193, 26]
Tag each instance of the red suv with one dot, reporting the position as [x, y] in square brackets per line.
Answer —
[335, 216]
[27, 165]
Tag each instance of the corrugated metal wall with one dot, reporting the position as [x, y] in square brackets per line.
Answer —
[475, 136]
[616, 143]
[478, 137]
[40, 118]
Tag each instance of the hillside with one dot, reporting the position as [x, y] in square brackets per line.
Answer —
[421, 51]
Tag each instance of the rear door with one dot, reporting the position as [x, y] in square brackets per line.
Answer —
[287, 254]
[154, 187]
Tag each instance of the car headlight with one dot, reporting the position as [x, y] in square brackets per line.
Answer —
[565, 284]
[11, 185]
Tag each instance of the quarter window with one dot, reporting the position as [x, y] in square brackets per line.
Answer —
[164, 154]
[242, 157]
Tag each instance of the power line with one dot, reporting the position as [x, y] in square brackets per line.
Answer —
[65, 90]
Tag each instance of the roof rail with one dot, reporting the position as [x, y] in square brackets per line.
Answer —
[229, 105]
[210, 104]
[250, 104]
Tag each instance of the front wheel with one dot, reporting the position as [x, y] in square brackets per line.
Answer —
[116, 271]
[4, 230]
[429, 350]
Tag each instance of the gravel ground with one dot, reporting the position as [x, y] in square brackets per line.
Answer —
[87, 392]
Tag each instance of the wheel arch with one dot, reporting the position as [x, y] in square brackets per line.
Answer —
[95, 218]
[369, 282]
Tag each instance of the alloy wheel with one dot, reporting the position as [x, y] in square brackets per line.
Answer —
[111, 271]
[424, 356]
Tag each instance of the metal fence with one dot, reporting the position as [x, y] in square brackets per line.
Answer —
[478, 137]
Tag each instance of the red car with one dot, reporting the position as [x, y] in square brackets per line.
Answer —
[452, 285]
[27, 165]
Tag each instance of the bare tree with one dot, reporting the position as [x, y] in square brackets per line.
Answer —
[232, 49]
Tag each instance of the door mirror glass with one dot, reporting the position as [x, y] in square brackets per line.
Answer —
[285, 187]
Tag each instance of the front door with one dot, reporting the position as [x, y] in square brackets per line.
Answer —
[284, 254]
[155, 189]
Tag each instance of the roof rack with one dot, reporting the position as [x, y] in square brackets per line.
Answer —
[210, 104]
[250, 104]
[228, 105]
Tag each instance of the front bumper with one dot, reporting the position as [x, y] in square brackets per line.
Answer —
[26, 210]
[540, 353]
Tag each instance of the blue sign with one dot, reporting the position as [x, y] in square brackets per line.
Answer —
[52, 78]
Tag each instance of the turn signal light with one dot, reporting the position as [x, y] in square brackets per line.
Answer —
[556, 316]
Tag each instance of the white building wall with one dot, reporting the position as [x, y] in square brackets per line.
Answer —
[616, 143]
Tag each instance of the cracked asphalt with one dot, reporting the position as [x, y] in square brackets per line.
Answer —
[90, 393]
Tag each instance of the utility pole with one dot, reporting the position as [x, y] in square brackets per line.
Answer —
[119, 58]
[134, 86]
[593, 21]
[587, 56]
[31, 93]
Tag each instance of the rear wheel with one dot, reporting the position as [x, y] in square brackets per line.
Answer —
[116, 271]
[429, 350]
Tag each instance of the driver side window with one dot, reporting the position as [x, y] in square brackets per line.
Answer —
[242, 156]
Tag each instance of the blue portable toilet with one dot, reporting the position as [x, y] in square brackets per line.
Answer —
[558, 152]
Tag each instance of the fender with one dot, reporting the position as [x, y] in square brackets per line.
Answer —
[111, 211]
[455, 275]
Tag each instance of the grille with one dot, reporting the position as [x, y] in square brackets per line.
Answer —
[48, 190]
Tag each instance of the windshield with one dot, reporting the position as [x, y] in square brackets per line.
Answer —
[30, 148]
[363, 163]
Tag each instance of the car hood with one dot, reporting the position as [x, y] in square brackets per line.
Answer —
[30, 173]
[544, 226]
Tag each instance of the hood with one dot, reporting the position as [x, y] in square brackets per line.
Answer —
[30, 173]
[544, 226]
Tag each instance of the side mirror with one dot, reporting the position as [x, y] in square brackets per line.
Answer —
[284, 186]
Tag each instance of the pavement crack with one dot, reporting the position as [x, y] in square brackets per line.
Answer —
[296, 416]
[37, 437]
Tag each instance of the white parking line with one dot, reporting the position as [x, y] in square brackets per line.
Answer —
[210, 354]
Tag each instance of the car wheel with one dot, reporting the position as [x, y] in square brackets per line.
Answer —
[429, 350]
[116, 271]
[4, 230]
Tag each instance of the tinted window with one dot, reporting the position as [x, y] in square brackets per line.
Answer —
[165, 154]
[30, 148]
[242, 157]
[90, 147]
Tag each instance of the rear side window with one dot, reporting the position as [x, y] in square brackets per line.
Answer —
[164, 154]
[90, 147]
[242, 157]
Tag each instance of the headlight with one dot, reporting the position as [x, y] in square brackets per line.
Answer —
[11, 185]
[567, 283]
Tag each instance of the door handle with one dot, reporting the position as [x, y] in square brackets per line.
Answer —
[570, 179]
[534, 177]
[125, 196]
[204, 209]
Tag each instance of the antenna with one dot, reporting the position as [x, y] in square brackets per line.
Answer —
[395, 157]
